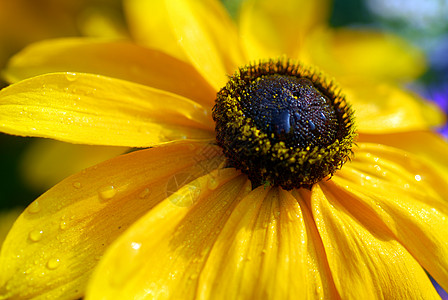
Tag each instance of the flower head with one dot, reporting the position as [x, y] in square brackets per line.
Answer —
[195, 216]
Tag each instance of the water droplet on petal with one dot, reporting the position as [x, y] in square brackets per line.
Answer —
[107, 192]
[70, 76]
[53, 263]
[77, 185]
[186, 196]
[34, 207]
[63, 225]
[35, 235]
[135, 245]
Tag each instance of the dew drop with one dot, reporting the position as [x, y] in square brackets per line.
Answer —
[77, 185]
[136, 246]
[144, 194]
[185, 197]
[35, 235]
[107, 192]
[53, 263]
[70, 76]
[34, 207]
[63, 225]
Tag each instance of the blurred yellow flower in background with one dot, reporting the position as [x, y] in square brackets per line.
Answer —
[52, 18]
[45, 19]
[173, 221]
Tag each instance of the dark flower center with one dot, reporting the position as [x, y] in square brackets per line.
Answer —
[291, 108]
[283, 124]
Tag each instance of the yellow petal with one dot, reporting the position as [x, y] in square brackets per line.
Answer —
[56, 242]
[208, 36]
[427, 145]
[228, 244]
[97, 110]
[121, 60]
[365, 259]
[386, 108]
[162, 254]
[149, 24]
[405, 195]
[268, 249]
[202, 30]
[270, 29]
[45, 162]
[365, 53]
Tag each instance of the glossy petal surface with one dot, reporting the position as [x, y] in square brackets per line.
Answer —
[407, 196]
[365, 259]
[55, 244]
[162, 255]
[98, 110]
[428, 146]
[268, 249]
[122, 60]
[225, 243]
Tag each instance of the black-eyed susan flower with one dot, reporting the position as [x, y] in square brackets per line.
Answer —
[268, 195]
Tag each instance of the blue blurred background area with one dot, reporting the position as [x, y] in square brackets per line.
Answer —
[423, 23]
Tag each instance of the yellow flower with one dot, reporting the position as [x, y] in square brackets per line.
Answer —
[52, 19]
[175, 221]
